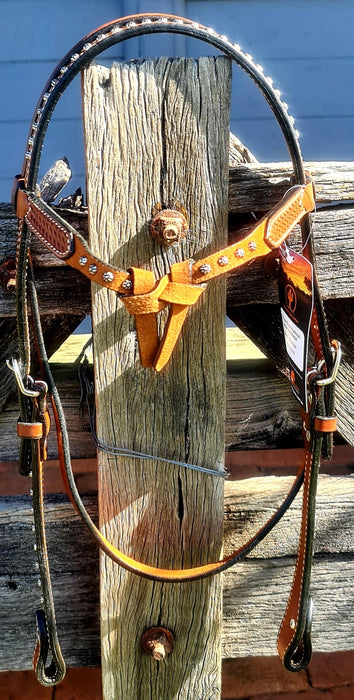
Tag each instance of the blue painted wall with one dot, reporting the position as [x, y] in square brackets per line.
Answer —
[306, 45]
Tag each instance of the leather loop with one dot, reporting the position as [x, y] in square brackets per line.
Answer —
[30, 430]
[325, 424]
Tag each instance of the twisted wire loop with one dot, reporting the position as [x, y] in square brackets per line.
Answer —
[87, 396]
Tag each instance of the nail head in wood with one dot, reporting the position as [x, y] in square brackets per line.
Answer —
[168, 226]
[158, 642]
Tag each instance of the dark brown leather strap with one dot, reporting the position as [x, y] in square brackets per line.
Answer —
[64, 241]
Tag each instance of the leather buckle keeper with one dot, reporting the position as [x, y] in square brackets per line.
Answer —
[34, 431]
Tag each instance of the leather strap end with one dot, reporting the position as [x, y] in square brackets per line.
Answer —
[34, 431]
[299, 652]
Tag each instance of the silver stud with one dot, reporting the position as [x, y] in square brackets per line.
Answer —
[42, 599]
[63, 70]
[34, 126]
[30, 475]
[277, 93]
[205, 269]
[33, 529]
[30, 141]
[36, 566]
[74, 57]
[39, 583]
[240, 253]
[100, 37]
[34, 547]
[224, 260]
[92, 269]
[252, 245]
[45, 96]
[53, 83]
[127, 284]
[82, 260]
[31, 492]
[292, 624]
[108, 276]
[28, 155]
[304, 425]
[308, 435]
[87, 46]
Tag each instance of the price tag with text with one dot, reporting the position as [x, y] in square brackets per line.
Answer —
[296, 305]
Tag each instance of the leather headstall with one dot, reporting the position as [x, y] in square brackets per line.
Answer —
[144, 297]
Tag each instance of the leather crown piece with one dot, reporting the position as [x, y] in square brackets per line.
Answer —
[144, 297]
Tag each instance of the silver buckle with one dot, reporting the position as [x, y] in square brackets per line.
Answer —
[15, 368]
[337, 355]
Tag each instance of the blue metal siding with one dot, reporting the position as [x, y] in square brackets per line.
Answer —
[306, 45]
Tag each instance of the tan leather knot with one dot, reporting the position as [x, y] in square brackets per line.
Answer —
[149, 301]
[148, 298]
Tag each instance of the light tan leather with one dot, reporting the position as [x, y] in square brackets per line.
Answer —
[142, 295]
[30, 430]
[325, 424]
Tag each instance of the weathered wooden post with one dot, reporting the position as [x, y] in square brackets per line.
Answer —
[157, 133]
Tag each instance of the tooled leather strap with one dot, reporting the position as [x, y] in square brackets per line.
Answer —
[72, 63]
[181, 288]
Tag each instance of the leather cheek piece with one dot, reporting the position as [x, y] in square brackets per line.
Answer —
[30, 430]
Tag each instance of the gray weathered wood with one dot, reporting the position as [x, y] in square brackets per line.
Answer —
[261, 412]
[255, 591]
[259, 186]
[262, 323]
[177, 111]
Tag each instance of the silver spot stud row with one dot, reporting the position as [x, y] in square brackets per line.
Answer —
[121, 27]
[108, 276]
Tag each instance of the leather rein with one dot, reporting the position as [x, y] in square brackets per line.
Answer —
[144, 297]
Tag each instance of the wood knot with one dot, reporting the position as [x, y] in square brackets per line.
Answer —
[157, 642]
[168, 226]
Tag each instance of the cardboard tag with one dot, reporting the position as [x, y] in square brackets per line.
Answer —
[296, 301]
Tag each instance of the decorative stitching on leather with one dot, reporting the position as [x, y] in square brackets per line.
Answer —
[308, 455]
[55, 240]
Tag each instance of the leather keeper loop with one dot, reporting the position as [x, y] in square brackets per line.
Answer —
[324, 424]
[34, 431]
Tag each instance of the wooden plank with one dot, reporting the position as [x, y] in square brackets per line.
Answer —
[252, 187]
[261, 322]
[259, 186]
[173, 108]
[261, 412]
[255, 591]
